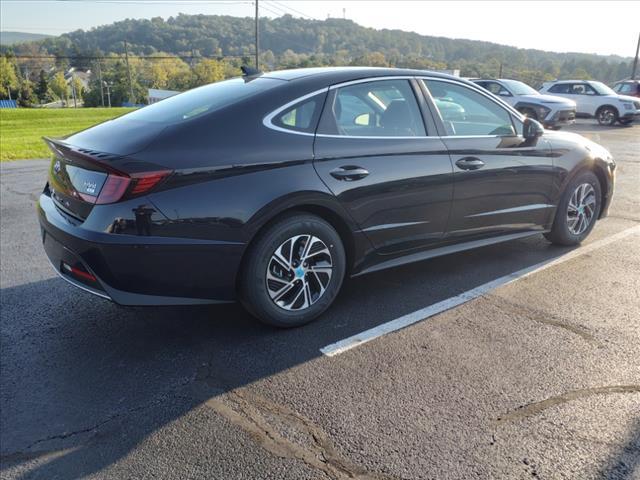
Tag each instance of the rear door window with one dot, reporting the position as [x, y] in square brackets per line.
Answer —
[383, 108]
[561, 88]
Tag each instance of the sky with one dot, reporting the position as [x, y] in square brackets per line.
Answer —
[603, 27]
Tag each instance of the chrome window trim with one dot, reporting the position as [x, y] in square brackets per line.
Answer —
[371, 79]
[268, 119]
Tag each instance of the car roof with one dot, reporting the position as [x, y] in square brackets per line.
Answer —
[570, 81]
[345, 74]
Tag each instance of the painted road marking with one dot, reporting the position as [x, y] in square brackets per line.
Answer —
[346, 344]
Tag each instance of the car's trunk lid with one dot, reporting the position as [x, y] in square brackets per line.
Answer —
[76, 177]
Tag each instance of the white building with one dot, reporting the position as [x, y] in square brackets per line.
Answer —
[155, 95]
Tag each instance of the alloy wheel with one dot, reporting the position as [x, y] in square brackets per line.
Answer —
[581, 208]
[299, 272]
[606, 116]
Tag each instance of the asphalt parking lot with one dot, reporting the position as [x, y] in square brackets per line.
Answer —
[538, 378]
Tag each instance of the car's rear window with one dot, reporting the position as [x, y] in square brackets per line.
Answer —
[201, 100]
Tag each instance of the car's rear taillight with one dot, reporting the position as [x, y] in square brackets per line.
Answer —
[147, 180]
[113, 189]
[116, 186]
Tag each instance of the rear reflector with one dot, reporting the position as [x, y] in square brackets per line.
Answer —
[77, 272]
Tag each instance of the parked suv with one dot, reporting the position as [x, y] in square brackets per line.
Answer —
[551, 111]
[595, 99]
[627, 87]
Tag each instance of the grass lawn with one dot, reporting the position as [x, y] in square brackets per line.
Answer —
[22, 129]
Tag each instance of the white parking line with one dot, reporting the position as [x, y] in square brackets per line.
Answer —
[342, 346]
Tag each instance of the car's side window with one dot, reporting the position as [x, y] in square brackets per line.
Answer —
[561, 88]
[496, 89]
[467, 112]
[383, 108]
[582, 89]
[301, 117]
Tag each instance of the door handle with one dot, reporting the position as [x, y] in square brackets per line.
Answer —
[470, 163]
[349, 173]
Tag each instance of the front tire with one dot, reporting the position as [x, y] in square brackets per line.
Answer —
[529, 112]
[607, 116]
[293, 272]
[577, 211]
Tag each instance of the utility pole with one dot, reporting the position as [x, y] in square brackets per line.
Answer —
[101, 84]
[500, 74]
[635, 61]
[126, 58]
[257, 40]
[344, 13]
[108, 93]
[73, 91]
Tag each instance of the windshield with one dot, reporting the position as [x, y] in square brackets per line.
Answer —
[519, 88]
[201, 100]
[602, 89]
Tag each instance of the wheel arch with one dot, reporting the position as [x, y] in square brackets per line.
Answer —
[598, 168]
[607, 105]
[323, 206]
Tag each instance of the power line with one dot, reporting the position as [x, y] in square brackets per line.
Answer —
[141, 2]
[106, 57]
[292, 9]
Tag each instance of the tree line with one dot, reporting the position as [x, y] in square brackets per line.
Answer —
[188, 50]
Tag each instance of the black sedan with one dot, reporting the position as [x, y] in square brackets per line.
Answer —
[272, 187]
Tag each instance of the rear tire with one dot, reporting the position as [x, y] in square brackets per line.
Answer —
[607, 116]
[293, 272]
[577, 211]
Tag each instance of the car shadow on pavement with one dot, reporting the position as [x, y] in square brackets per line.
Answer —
[626, 464]
[86, 381]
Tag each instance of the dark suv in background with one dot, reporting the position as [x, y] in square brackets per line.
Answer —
[628, 87]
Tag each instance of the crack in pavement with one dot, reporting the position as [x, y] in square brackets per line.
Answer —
[536, 407]
[26, 451]
[266, 422]
[540, 316]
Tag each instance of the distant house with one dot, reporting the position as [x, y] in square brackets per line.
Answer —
[83, 75]
[154, 95]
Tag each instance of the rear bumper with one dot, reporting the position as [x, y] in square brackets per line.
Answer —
[139, 270]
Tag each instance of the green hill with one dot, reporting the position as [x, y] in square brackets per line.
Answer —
[290, 42]
[11, 38]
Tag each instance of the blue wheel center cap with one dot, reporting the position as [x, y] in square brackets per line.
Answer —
[299, 272]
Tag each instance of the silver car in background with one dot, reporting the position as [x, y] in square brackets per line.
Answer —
[551, 111]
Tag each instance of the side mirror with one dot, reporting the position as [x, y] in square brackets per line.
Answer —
[532, 129]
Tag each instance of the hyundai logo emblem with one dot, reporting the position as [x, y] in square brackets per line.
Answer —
[56, 166]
